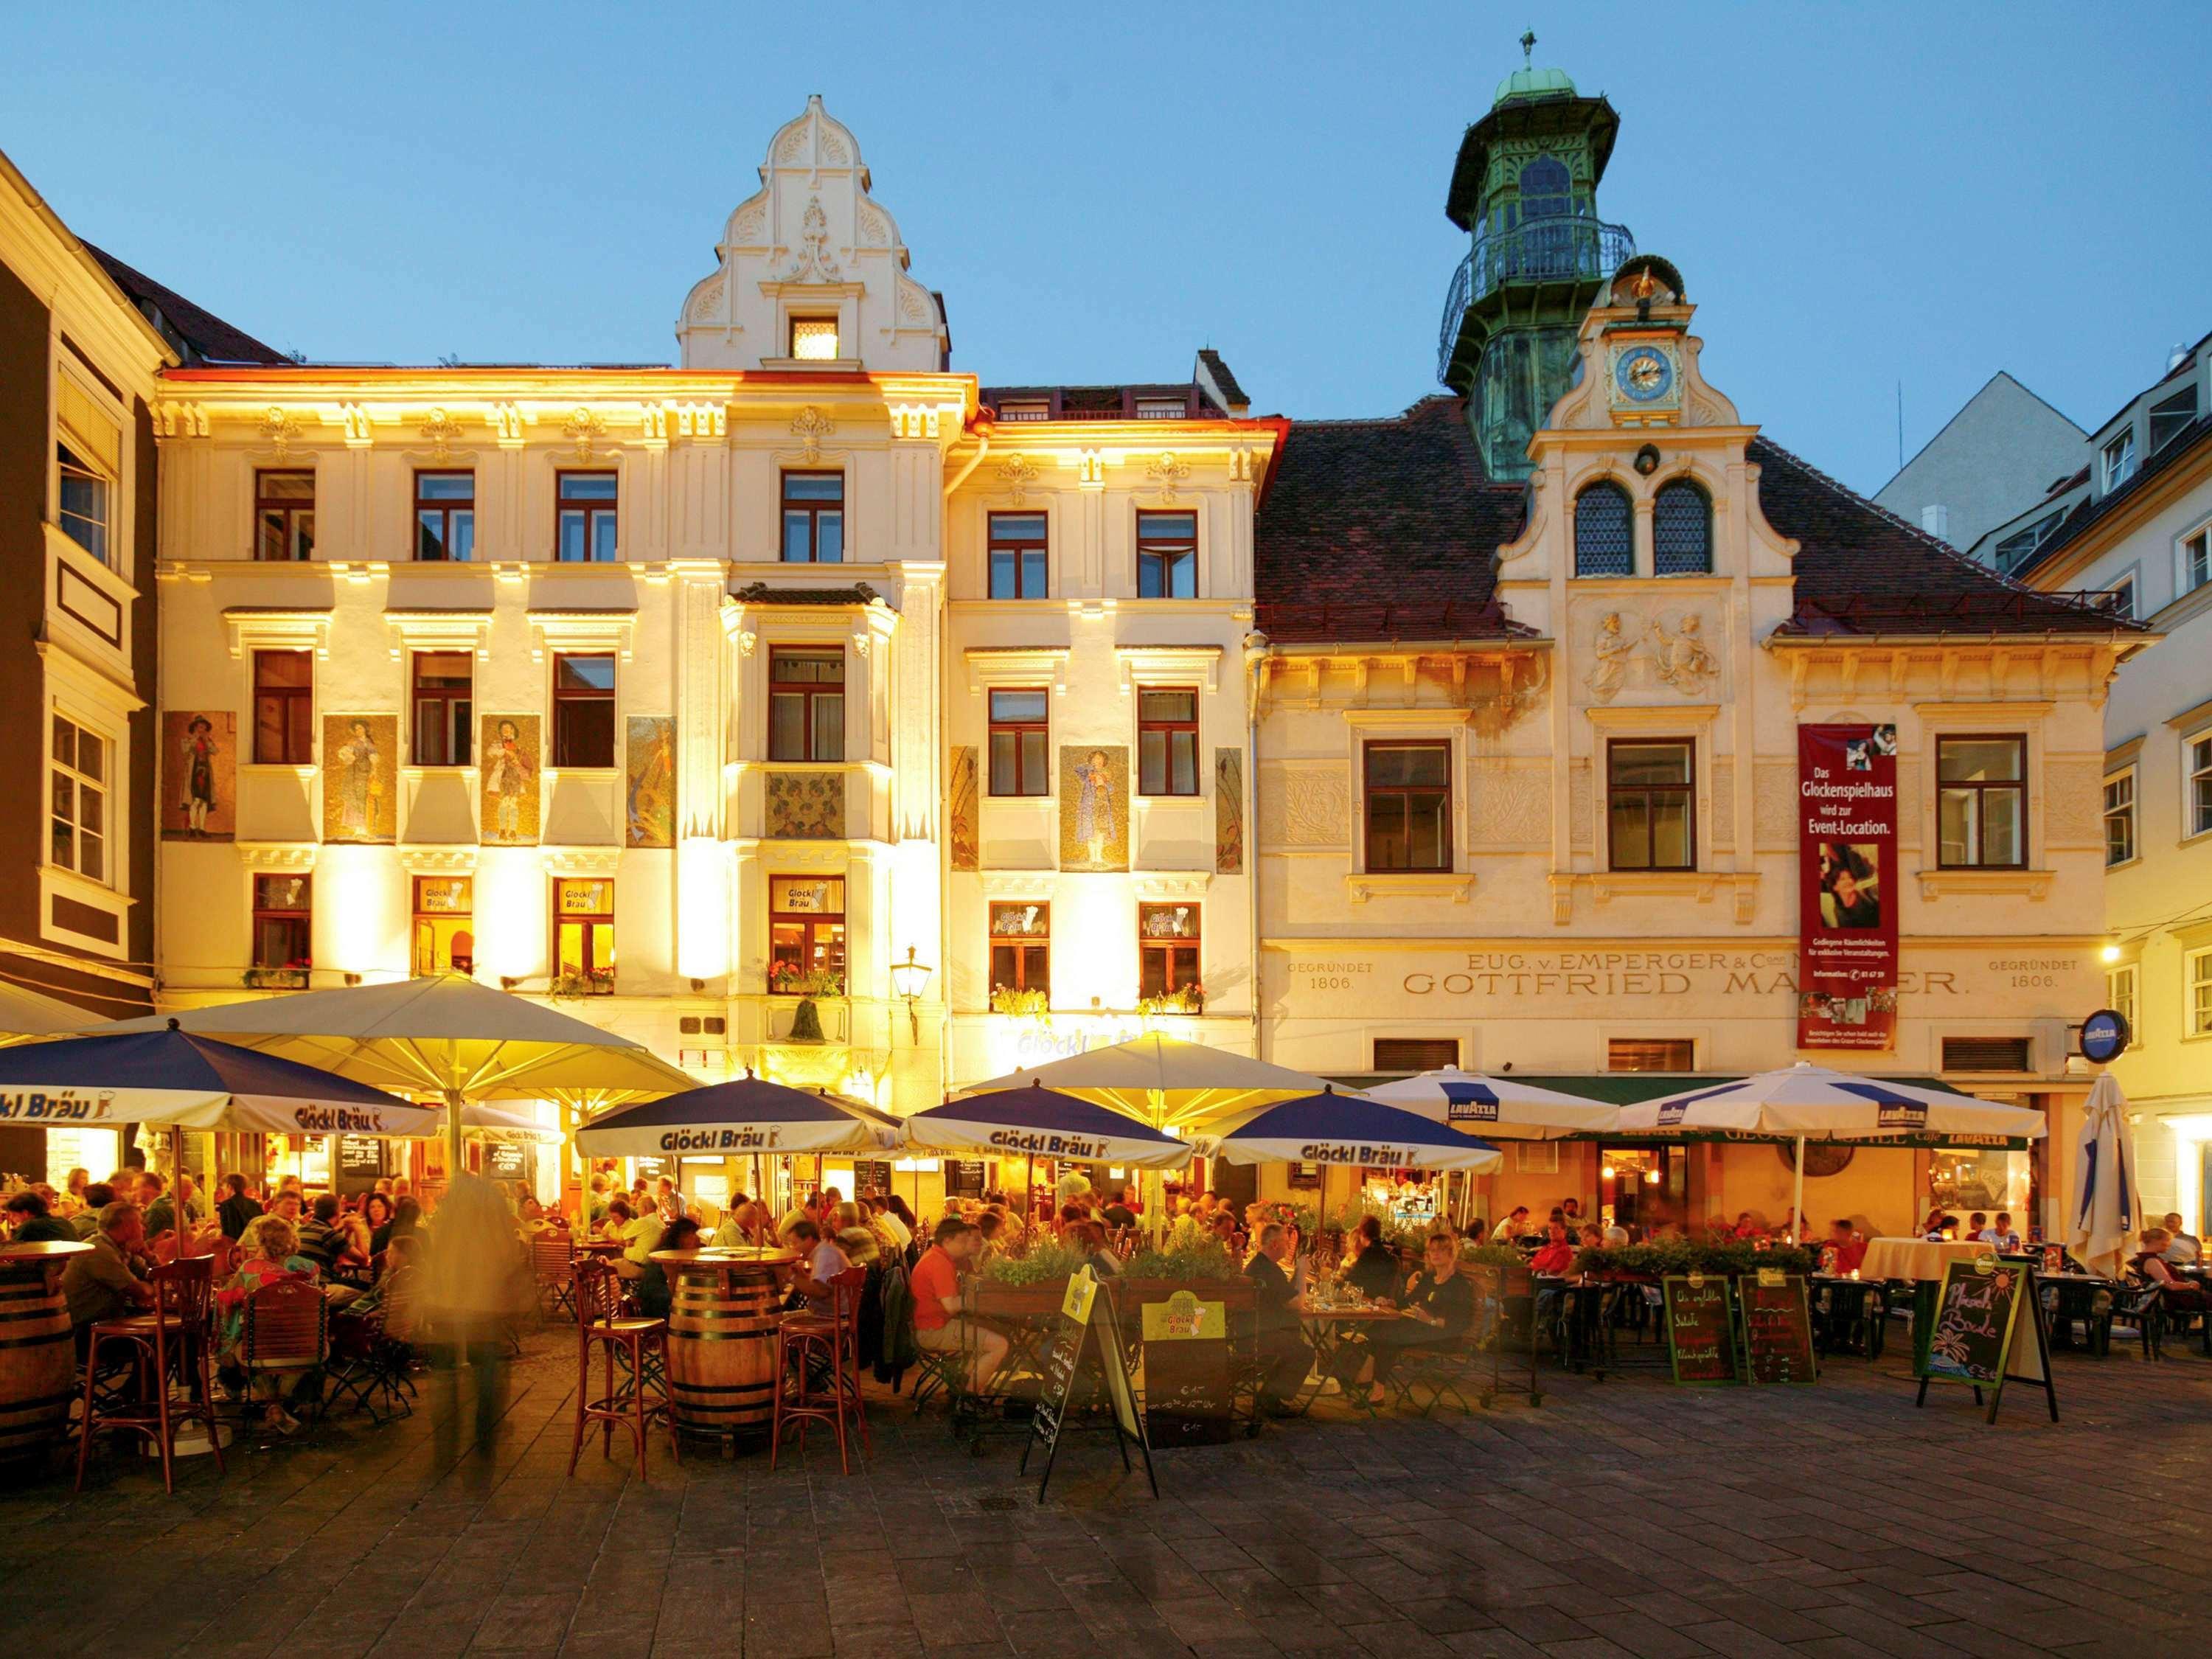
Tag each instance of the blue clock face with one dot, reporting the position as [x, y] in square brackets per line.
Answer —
[1644, 375]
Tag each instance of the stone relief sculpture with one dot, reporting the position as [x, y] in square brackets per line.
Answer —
[1613, 648]
[1674, 651]
[1680, 656]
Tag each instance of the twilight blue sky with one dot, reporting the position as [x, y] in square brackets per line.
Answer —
[1857, 195]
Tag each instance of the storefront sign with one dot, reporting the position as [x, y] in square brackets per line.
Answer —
[1848, 891]
[2104, 1035]
[56, 1106]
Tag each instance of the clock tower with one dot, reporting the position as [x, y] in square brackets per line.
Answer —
[1525, 189]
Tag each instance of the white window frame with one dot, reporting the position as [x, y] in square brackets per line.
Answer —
[2193, 824]
[2188, 575]
[2116, 460]
[2131, 809]
[2196, 994]
[2127, 587]
[2122, 994]
[116, 557]
[79, 780]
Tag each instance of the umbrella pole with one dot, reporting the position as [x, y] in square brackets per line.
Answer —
[453, 1165]
[1798, 1205]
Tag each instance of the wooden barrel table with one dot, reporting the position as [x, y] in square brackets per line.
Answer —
[38, 1359]
[723, 1307]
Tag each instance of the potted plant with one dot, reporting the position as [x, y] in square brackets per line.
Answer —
[789, 979]
[292, 976]
[1020, 1002]
[582, 982]
[1189, 998]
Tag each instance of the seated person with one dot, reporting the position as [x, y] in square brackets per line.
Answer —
[1514, 1227]
[1976, 1224]
[1374, 1270]
[1557, 1254]
[654, 1292]
[1593, 1237]
[640, 1237]
[86, 1222]
[2151, 1265]
[940, 1325]
[403, 1266]
[269, 1252]
[2185, 1249]
[1474, 1230]
[821, 1260]
[34, 1221]
[1439, 1307]
[1999, 1232]
[319, 1239]
[1285, 1355]
[104, 1283]
[613, 1230]
[1090, 1237]
[1850, 1249]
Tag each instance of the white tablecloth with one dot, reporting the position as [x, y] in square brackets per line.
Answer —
[1914, 1258]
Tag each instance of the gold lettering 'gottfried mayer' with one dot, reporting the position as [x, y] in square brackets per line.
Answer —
[1637, 974]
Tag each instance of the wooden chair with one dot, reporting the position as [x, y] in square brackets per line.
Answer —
[286, 1335]
[172, 1340]
[805, 1340]
[553, 1260]
[639, 1343]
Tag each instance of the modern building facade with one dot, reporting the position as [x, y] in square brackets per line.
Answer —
[2132, 520]
[2005, 446]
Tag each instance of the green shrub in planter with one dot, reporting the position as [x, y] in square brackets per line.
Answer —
[1679, 1256]
[1042, 1263]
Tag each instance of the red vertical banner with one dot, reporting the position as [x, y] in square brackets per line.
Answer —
[1848, 886]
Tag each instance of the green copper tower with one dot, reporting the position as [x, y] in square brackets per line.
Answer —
[1525, 188]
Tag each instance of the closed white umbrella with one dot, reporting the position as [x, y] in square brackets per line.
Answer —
[1498, 1108]
[1805, 1102]
[2107, 1208]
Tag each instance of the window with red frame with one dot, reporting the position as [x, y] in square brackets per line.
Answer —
[284, 922]
[1167, 950]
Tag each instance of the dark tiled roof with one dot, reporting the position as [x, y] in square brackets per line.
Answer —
[762, 593]
[1224, 381]
[205, 337]
[1377, 530]
[1389, 530]
[1863, 570]
[2189, 439]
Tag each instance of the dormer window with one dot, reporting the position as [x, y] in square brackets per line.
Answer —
[1604, 532]
[1161, 408]
[814, 339]
[1025, 408]
[2119, 460]
[1682, 531]
[2171, 416]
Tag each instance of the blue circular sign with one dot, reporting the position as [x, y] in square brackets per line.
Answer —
[2104, 1035]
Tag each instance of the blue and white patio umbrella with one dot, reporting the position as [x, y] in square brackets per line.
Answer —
[1502, 1107]
[178, 1080]
[1806, 1101]
[1330, 1129]
[1040, 1123]
[2107, 1208]
[749, 1114]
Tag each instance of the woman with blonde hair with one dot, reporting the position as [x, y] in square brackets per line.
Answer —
[269, 1252]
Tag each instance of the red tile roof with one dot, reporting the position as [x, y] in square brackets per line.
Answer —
[205, 336]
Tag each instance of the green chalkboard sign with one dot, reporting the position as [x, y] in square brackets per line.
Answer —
[1777, 1328]
[1988, 1330]
[1701, 1328]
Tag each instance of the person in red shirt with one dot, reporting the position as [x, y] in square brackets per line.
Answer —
[1849, 1248]
[1558, 1254]
[940, 1326]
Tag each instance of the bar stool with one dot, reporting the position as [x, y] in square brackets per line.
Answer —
[833, 1340]
[599, 1323]
[174, 1337]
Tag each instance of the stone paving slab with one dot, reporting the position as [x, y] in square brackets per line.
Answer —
[1622, 1517]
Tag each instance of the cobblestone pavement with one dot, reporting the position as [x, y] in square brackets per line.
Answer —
[1622, 1517]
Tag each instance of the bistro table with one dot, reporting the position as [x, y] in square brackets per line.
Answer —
[724, 1305]
[38, 1360]
[1922, 1260]
[1329, 1327]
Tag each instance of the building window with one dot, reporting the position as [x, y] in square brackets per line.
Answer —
[1412, 1054]
[2120, 818]
[443, 686]
[583, 934]
[1020, 735]
[2119, 460]
[2121, 598]
[2197, 560]
[89, 456]
[2015, 549]
[283, 922]
[2170, 416]
[584, 710]
[813, 518]
[1604, 532]
[1682, 531]
[1650, 811]
[2200, 993]
[445, 516]
[589, 506]
[1987, 1053]
[2120, 995]
[1167, 951]
[1163, 409]
[1018, 555]
[1650, 1055]
[444, 925]
[283, 708]
[1981, 800]
[806, 935]
[1408, 805]
[2196, 791]
[1167, 556]
[81, 762]
[814, 339]
[283, 517]
[806, 705]
[1021, 953]
[1167, 742]
[1546, 189]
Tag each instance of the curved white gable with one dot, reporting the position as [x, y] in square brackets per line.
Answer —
[811, 243]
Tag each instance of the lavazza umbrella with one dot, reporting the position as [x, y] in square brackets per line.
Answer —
[1352, 1130]
[1806, 1101]
[2107, 1207]
[1501, 1108]
[442, 1035]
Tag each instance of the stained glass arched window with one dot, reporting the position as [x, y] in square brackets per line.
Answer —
[1604, 537]
[1682, 531]
[1547, 192]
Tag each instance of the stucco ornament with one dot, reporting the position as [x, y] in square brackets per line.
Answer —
[810, 426]
[585, 429]
[1169, 473]
[280, 429]
[1616, 642]
[439, 431]
[1016, 474]
[813, 263]
[1679, 655]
